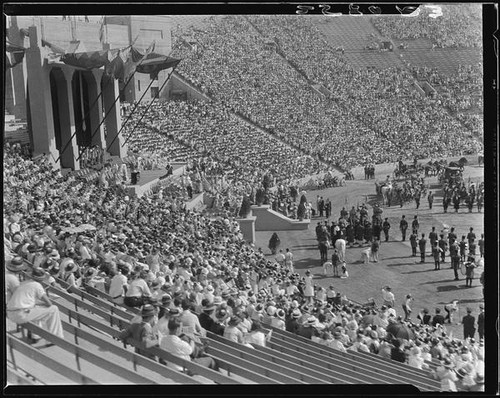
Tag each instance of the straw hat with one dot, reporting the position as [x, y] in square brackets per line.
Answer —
[147, 310]
[39, 275]
[17, 264]
[296, 313]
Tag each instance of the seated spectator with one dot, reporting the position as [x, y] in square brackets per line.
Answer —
[176, 344]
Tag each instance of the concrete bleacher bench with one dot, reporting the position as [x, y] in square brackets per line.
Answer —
[366, 365]
[288, 358]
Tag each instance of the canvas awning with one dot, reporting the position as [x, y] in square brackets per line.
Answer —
[120, 63]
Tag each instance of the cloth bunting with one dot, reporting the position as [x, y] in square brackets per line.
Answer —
[14, 55]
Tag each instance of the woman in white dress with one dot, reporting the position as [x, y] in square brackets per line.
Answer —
[309, 288]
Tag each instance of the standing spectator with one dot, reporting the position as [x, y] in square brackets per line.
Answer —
[328, 208]
[443, 245]
[452, 236]
[118, 286]
[375, 250]
[433, 236]
[469, 271]
[309, 288]
[456, 202]
[480, 243]
[415, 225]
[407, 307]
[30, 303]
[421, 245]
[388, 296]
[274, 243]
[468, 322]
[289, 260]
[450, 310]
[471, 236]
[446, 203]
[137, 291]
[413, 244]
[472, 249]
[403, 226]
[386, 227]
[480, 322]
[436, 252]
[430, 199]
[455, 260]
[280, 258]
[463, 248]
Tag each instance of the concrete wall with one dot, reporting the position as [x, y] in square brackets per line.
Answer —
[247, 228]
[178, 83]
[270, 220]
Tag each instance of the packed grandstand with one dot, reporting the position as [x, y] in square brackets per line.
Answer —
[192, 299]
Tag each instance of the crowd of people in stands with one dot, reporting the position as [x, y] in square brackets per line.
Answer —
[381, 99]
[152, 253]
[442, 30]
[461, 91]
[234, 157]
[371, 109]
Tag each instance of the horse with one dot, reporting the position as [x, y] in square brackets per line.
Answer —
[323, 249]
[340, 246]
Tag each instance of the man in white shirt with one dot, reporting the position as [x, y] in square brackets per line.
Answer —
[13, 267]
[388, 296]
[30, 303]
[336, 343]
[181, 348]
[280, 258]
[118, 286]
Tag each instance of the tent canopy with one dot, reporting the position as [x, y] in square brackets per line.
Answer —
[117, 61]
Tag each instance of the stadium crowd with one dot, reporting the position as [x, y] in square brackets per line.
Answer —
[384, 99]
[441, 31]
[382, 108]
[173, 263]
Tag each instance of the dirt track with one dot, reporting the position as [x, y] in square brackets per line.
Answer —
[396, 266]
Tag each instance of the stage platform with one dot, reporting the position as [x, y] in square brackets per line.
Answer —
[149, 178]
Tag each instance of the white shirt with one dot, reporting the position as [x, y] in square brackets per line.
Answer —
[116, 286]
[256, 337]
[175, 346]
[387, 296]
[27, 295]
[137, 288]
[11, 284]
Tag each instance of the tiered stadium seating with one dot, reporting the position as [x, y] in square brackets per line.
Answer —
[94, 322]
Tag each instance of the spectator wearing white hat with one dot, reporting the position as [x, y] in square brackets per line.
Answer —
[279, 319]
